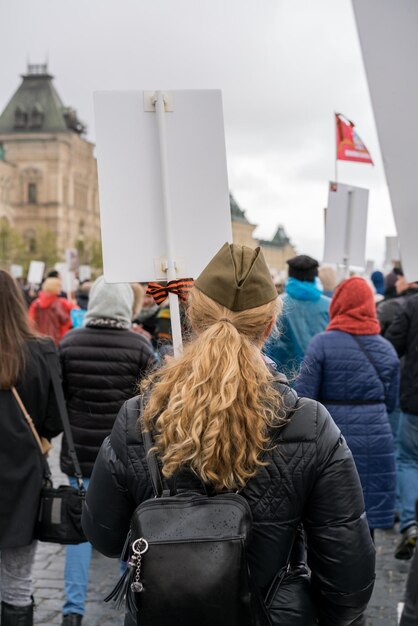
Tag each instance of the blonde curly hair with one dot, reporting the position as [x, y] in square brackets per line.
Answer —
[211, 408]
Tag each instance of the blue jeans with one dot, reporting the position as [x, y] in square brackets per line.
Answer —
[76, 573]
[394, 418]
[407, 462]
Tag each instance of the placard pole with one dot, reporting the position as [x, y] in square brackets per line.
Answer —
[171, 265]
[347, 239]
[68, 284]
[336, 147]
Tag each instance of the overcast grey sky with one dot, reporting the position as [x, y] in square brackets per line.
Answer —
[284, 67]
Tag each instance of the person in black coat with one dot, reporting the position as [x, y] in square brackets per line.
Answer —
[25, 361]
[102, 364]
[219, 411]
[410, 611]
[403, 334]
[389, 308]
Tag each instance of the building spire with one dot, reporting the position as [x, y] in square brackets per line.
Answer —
[37, 107]
[37, 69]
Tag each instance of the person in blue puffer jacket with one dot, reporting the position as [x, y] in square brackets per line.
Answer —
[354, 372]
[304, 314]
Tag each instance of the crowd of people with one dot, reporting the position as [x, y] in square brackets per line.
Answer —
[306, 404]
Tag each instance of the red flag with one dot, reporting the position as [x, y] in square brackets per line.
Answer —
[349, 145]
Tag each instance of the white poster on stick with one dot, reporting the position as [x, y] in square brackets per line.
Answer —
[71, 259]
[346, 225]
[84, 273]
[388, 32]
[131, 183]
[36, 272]
[68, 279]
[392, 253]
[16, 271]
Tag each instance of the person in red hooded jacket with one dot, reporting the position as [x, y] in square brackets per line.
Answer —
[50, 313]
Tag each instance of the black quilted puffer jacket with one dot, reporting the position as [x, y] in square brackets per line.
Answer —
[310, 480]
[101, 368]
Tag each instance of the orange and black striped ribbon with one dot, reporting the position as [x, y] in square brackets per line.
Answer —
[180, 287]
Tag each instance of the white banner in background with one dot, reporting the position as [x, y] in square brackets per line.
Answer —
[346, 225]
[16, 271]
[393, 252]
[84, 273]
[71, 259]
[36, 272]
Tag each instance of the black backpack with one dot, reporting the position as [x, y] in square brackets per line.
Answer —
[187, 558]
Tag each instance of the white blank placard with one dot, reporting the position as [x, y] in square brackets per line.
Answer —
[16, 271]
[36, 272]
[131, 203]
[336, 225]
[392, 249]
[84, 273]
[388, 31]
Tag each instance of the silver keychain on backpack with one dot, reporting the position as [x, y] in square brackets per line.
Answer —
[139, 547]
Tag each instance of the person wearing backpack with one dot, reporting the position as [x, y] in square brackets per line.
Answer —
[231, 438]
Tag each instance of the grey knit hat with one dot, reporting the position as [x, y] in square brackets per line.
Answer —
[110, 301]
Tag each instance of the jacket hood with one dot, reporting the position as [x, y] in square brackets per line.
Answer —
[378, 281]
[110, 301]
[353, 309]
[304, 289]
[46, 298]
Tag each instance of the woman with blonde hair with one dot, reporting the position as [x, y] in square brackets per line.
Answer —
[25, 376]
[221, 417]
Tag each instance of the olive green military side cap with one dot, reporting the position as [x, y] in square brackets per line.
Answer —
[238, 278]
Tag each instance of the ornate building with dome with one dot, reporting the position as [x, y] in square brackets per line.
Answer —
[48, 173]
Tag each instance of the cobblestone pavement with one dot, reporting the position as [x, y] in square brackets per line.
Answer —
[49, 574]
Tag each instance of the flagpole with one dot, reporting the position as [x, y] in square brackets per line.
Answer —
[336, 147]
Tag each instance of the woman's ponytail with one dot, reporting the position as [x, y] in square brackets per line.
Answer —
[211, 408]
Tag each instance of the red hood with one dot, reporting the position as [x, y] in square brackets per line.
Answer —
[353, 309]
[46, 298]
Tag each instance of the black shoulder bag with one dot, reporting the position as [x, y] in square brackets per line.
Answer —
[59, 516]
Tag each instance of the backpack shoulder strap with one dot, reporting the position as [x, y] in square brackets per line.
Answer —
[158, 483]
